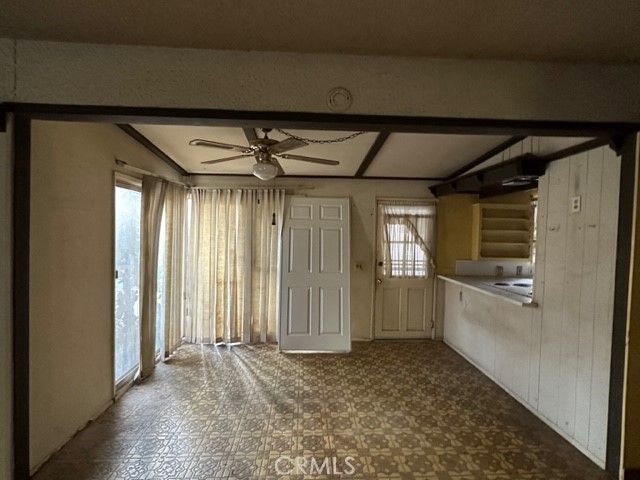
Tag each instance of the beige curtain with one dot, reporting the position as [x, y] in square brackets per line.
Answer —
[175, 232]
[233, 265]
[408, 238]
[266, 261]
[153, 194]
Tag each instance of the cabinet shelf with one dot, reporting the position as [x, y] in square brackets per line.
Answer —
[505, 224]
[506, 231]
[502, 231]
[508, 236]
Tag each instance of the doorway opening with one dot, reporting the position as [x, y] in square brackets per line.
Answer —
[22, 153]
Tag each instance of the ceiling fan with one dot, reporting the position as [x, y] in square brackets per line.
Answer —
[266, 152]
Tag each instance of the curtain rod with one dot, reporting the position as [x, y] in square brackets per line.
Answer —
[123, 164]
[289, 190]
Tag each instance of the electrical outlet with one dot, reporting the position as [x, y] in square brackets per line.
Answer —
[575, 204]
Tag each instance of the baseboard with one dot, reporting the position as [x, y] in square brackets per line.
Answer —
[631, 474]
[124, 388]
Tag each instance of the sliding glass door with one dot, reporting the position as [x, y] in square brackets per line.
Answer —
[128, 203]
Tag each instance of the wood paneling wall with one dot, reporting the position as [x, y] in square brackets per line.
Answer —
[556, 358]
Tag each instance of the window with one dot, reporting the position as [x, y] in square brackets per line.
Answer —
[407, 238]
[407, 258]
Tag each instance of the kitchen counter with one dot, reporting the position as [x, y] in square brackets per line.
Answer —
[485, 285]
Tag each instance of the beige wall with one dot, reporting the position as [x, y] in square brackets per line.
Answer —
[6, 451]
[363, 195]
[50, 72]
[71, 354]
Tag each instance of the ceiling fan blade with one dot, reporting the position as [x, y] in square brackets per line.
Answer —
[286, 145]
[275, 161]
[323, 161]
[197, 142]
[226, 159]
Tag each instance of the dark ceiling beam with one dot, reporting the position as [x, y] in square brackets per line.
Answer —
[4, 113]
[319, 121]
[487, 155]
[371, 154]
[21, 291]
[149, 145]
[250, 133]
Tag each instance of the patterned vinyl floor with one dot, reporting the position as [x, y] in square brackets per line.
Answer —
[392, 410]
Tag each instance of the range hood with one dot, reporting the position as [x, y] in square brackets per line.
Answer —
[521, 172]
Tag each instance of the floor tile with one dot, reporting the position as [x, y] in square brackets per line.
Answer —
[396, 410]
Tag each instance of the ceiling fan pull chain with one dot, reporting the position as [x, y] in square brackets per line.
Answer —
[311, 140]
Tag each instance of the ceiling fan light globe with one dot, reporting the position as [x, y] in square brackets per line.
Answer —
[265, 171]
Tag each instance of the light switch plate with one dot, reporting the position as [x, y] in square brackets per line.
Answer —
[576, 204]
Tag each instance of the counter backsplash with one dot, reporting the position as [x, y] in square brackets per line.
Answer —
[488, 268]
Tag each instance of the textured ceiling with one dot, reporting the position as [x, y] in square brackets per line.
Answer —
[174, 141]
[425, 156]
[569, 30]
[402, 155]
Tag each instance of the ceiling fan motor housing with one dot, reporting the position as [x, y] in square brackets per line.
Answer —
[262, 156]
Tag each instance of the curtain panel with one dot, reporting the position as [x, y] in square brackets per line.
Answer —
[175, 236]
[233, 265]
[153, 194]
[408, 238]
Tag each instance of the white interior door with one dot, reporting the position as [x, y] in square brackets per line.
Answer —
[404, 271]
[315, 298]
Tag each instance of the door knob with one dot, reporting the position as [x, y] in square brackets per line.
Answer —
[378, 281]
